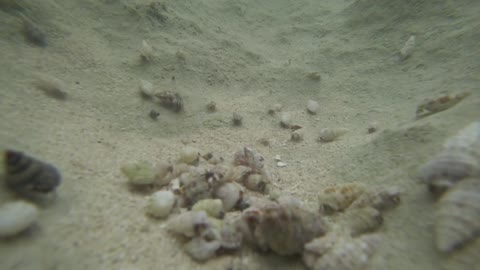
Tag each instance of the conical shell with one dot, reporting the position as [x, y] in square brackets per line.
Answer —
[349, 254]
[331, 134]
[458, 215]
[27, 174]
[339, 197]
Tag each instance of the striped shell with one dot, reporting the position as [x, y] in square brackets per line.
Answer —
[25, 174]
[349, 253]
[337, 198]
[458, 215]
[459, 159]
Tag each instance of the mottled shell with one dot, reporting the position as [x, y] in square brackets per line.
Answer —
[331, 134]
[380, 198]
[339, 197]
[458, 215]
[284, 230]
[28, 175]
[349, 254]
[363, 220]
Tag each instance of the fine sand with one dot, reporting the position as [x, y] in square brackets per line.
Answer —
[246, 56]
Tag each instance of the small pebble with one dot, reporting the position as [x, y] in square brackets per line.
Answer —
[281, 164]
[278, 157]
[312, 106]
[285, 120]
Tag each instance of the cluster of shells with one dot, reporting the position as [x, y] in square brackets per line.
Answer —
[453, 177]
[216, 206]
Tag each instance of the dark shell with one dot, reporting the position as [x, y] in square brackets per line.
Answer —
[27, 174]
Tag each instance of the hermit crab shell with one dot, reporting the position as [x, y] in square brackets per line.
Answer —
[339, 197]
[458, 215]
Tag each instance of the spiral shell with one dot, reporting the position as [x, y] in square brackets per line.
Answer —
[331, 134]
[28, 175]
[459, 159]
[349, 254]
[337, 198]
[458, 215]
[380, 198]
[363, 220]
[283, 229]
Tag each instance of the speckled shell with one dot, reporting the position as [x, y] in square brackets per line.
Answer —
[458, 215]
[331, 134]
[25, 174]
[380, 198]
[282, 229]
[363, 220]
[339, 197]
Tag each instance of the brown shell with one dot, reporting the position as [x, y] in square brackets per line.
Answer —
[458, 215]
[339, 197]
[349, 253]
[363, 220]
[283, 229]
[381, 198]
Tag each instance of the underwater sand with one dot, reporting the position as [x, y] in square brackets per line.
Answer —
[245, 56]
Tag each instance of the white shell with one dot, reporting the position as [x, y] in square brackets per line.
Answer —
[201, 249]
[146, 51]
[281, 164]
[16, 217]
[186, 223]
[312, 106]
[458, 215]
[146, 88]
[331, 134]
[408, 48]
[230, 194]
[285, 120]
[161, 204]
[189, 155]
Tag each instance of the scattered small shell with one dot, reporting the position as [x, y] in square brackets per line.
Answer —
[349, 253]
[372, 127]
[211, 107]
[146, 89]
[380, 198]
[237, 119]
[189, 155]
[458, 216]
[312, 106]
[339, 197]
[281, 164]
[16, 217]
[154, 114]
[277, 157]
[434, 105]
[28, 175]
[285, 120]
[297, 135]
[213, 207]
[50, 85]
[282, 229]
[170, 100]
[331, 134]
[141, 173]
[161, 204]
[146, 52]
[363, 220]
[189, 224]
[230, 194]
[33, 33]
[407, 49]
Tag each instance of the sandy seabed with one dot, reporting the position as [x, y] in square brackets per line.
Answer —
[245, 56]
